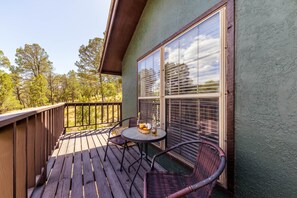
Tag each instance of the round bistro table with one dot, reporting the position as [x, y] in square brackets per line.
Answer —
[132, 134]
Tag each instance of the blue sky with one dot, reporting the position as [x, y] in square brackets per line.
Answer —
[58, 26]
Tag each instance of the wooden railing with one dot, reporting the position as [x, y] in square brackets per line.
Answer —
[27, 139]
[92, 114]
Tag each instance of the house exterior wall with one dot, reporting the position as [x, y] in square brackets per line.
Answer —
[159, 20]
[265, 82]
[266, 98]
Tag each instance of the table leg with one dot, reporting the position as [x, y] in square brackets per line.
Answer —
[133, 163]
[140, 151]
[142, 154]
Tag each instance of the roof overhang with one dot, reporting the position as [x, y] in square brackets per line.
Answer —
[122, 21]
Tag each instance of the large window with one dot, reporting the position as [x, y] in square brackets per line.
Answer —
[183, 84]
[192, 85]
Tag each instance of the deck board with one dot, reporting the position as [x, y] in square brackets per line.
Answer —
[77, 169]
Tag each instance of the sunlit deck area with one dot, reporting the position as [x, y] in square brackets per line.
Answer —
[77, 169]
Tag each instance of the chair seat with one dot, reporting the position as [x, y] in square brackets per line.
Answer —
[162, 184]
[117, 140]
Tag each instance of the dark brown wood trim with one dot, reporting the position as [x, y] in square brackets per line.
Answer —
[186, 27]
[230, 87]
[112, 8]
[113, 73]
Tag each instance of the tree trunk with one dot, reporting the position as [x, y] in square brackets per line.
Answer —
[101, 88]
[19, 96]
[72, 97]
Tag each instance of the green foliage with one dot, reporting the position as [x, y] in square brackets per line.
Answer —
[73, 87]
[33, 60]
[37, 91]
[32, 82]
[8, 101]
[90, 57]
[95, 86]
[4, 61]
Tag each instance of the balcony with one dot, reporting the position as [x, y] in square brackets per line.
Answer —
[40, 159]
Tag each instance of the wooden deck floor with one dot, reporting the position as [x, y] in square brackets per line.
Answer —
[77, 169]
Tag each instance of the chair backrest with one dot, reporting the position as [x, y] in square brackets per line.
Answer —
[132, 122]
[208, 162]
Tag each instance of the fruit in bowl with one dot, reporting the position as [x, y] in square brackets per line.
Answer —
[144, 127]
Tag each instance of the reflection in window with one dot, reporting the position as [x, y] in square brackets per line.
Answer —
[149, 76]
[191, 119]
[192, 61]
[148, 109]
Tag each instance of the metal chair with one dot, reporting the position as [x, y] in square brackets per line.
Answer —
[209, 165]
[118, 140]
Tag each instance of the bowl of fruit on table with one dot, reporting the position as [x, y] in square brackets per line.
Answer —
[144, 128]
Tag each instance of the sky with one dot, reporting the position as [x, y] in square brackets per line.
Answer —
[58, 26]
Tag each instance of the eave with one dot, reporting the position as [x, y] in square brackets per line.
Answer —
[122, 22]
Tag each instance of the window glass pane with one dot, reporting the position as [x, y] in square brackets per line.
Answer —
[209, 55]
[149, 108]
[171, 68]
[141, 77]
[188, 71]
[149, 76]
[156, 76]
[192, 61]
[191, 119]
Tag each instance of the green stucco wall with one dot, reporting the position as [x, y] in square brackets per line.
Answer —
[266, 98]
[160, 19]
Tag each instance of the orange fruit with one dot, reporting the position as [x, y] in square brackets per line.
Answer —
[141, 126]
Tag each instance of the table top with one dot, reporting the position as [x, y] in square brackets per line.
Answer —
[132, 134]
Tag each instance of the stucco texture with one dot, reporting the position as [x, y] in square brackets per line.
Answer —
[266, 98]
[160, 19]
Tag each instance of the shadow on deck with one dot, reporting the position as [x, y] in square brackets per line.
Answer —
[77, 169]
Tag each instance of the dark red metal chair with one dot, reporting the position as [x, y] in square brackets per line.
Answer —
[118, 140]
[209, 165]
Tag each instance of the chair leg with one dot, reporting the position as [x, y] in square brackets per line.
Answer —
[125, 146]
[105, 152]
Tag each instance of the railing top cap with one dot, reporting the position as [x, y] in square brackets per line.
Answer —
[91, 103]
[11, 117]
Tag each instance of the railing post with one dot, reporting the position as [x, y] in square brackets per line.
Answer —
[38, 143]
[89, 114]
[121, 112]
[7, 161]
[75, 115]
[46, 132]
[107, 113]
[82, 115]
[21, 158]
[102, 113]
[67, 115]
[112, 112]
[118, 112]
[31, 152]
[95, 116]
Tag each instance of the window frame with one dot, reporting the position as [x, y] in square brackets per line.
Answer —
[150, 97]
[222, 95]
